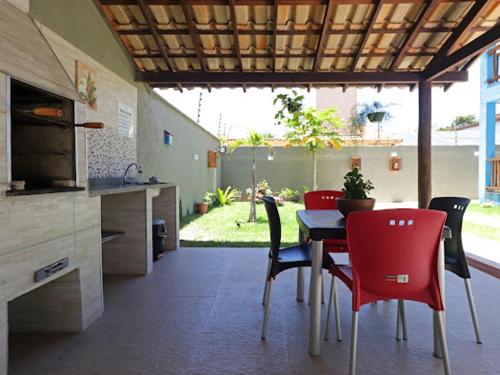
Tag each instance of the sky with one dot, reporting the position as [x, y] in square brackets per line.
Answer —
[238, 112]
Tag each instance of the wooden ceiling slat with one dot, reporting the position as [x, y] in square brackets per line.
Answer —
[474, 48]
[236, 38]
[373, 19]
[270, 55]
[195, 38]
[426, 11]
[146, 12]
[324, 32]
[440, 29]
[471, 16]
[265, 2]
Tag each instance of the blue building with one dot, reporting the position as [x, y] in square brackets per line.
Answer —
[489, 160]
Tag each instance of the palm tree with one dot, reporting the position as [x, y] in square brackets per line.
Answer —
[253, 141]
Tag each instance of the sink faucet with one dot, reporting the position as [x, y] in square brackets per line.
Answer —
[139, 170]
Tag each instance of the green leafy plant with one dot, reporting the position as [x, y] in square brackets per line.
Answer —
[308, 127]
[289, 194]
[355, 187]
[209, 197]
[253, 141]
[228, 196]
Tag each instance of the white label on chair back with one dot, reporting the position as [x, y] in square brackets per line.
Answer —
[403, 279]
[400, 279]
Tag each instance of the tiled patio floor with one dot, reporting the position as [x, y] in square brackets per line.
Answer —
[199, 312]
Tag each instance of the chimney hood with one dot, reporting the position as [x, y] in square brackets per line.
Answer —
[27, 56]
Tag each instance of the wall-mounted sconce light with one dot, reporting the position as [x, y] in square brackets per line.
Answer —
[196, 156]
[355, 162]
[476, 153]
[395, 164]
[271, 154]
[222, 149]
[394, 154]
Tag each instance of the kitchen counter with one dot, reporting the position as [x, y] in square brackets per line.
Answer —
[100, 190]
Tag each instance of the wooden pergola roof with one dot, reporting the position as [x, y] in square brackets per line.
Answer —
[176, 43]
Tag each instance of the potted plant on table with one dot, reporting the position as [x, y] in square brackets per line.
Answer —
[356, 191]
[202, 207]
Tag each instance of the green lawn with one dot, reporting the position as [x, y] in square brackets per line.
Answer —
[485, 231]
[219, 227]
[228, 226]
[477, 208]
[483, 228]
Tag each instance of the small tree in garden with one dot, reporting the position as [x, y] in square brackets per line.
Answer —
[254, 140]
[312, 128]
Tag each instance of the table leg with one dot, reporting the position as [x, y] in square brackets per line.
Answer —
[315, 299]
[441, 275]
[300, 284]
[300, 274]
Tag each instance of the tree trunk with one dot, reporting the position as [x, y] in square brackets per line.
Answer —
[253, 215]
[315, 177]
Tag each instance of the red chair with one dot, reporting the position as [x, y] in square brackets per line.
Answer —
[326, 200]
[394, 255]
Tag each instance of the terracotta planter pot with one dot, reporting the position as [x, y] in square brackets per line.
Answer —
[346, 206]
[201, 208]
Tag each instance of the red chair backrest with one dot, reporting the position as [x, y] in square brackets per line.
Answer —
[394, 255]
[322, 199]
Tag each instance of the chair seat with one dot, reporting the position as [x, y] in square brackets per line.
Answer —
[297, 256]
[344, 273]
[335, 246]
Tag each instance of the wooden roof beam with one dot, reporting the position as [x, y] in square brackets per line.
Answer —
[427, 10]
[275, 27]
[195, 37]
[378, 8]
[236, 38]
[295, 79]
[148, 15]
[472, 49]
[324, 35]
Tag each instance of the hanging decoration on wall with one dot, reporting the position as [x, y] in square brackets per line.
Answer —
[355, 162]
[168, 138]
[212, 159]
[396, 164]
[86, 84]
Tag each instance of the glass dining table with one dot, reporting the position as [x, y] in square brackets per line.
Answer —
[319, 225]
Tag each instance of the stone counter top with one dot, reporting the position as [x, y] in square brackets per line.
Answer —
[99, 190]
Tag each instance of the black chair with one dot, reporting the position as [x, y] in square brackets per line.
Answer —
[454, 256]
[281, 259]
[455, 260]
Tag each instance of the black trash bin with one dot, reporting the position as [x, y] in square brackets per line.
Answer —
[159, 235]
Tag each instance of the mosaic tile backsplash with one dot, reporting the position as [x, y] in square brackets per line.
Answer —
[108, 153]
